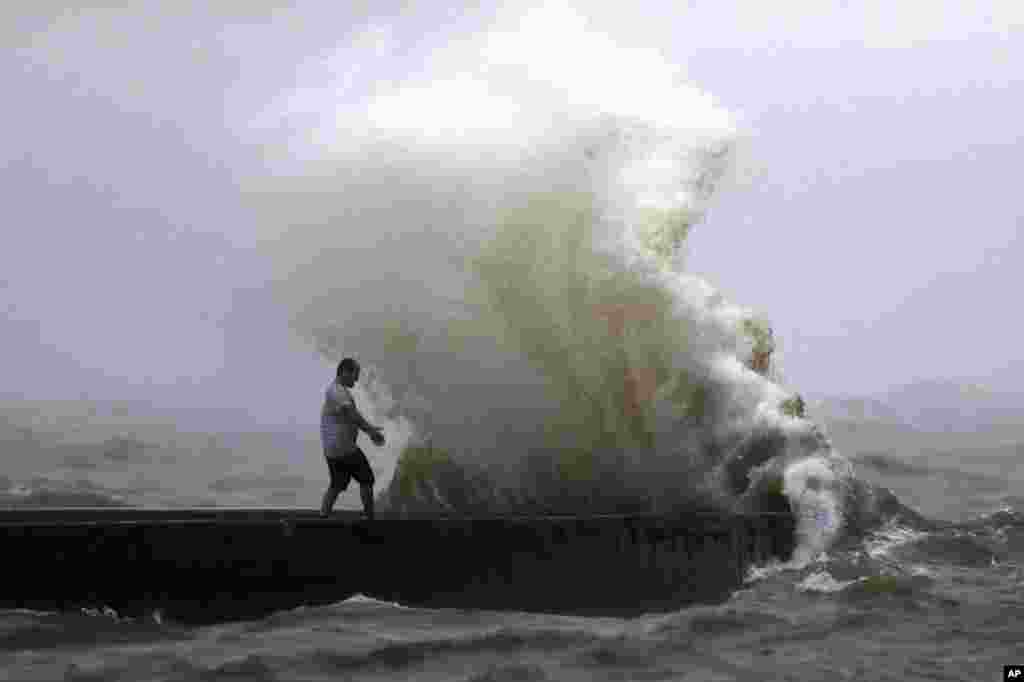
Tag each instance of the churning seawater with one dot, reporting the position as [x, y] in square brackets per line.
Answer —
[933, 601]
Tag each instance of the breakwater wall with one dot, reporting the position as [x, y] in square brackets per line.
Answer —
[207, 565]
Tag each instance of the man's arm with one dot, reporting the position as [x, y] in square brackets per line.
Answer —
[355, 417]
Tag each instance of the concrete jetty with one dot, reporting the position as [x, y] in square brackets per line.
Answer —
[214, 564]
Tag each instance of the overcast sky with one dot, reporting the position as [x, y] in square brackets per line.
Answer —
[879, 228]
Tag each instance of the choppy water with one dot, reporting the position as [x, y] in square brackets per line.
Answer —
[936, 600]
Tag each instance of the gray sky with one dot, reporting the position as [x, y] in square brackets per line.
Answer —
[880, 233]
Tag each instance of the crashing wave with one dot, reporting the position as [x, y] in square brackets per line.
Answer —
[502, 246]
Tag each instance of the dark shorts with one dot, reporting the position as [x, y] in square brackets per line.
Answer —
[353, 465]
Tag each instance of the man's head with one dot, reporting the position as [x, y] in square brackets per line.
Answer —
[348, 372]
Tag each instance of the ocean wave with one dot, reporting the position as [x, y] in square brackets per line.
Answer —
[887, 587]
[258, 482]
[32, 630]
[351, 611]
[24, 497]
[511, 672]
[405, 654]
[890, 465]
[822, 581]
[950, 548]
[884, 540]
[621, 652]
[715, 620]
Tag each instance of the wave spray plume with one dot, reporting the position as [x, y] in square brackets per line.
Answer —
[501, 241]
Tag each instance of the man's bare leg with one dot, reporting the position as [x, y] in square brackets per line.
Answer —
[366, 492]
[330, 497]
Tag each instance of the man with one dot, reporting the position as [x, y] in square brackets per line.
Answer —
[340, 423]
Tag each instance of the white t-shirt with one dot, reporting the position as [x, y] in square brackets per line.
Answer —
[337, 433]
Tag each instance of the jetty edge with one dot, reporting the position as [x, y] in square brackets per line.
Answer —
[206, 565]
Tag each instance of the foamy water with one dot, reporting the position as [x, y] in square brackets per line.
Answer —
[844, 616]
